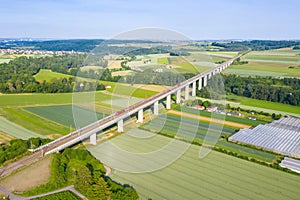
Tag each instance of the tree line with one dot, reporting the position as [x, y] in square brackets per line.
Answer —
[286, 90]
[18, 147]
[255, 45]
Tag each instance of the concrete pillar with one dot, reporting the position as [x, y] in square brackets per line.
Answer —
[209, 76]
[214, 72]
[186, 93]
[194, 89]
[93, 139]
[120, 126]
[168, 104]
[155, 109]
[200, 84]
[178, 96]
[141, 116]
[205, 81]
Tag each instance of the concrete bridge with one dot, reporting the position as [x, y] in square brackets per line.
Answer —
[196, 82]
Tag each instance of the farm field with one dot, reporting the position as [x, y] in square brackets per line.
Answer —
[277, 63]
[275, 55]
[217, 176]
[130, 90]
[265, 104]
[12, 100]
[48, 75]
[122, 73]
[220, 116]
[34, 122]
[264, 69]
[63, 114]
[15, 130]
[190, 129]
[163, 61]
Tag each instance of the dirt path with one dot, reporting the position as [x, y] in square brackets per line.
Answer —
[208, 119]
[22, 162]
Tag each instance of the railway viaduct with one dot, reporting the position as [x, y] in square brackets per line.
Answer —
[91, 130]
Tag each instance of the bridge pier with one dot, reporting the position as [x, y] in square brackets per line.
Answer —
[168, 103]
[209, 76]
[93, 139]
[120, 126]
[205, 81]
[194, 89]
[200, 84]
[155, 109]
[186, 93]
[140, 116]
[178, 96]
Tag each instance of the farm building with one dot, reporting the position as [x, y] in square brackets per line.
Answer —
[281, 136]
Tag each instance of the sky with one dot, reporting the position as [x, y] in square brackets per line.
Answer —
[196, 19]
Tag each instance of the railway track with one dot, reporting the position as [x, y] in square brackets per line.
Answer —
[20, 163]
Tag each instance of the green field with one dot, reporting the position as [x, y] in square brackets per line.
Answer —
[184, 127]
[265, 104]
[7, 100]
[128, 90]
[15, 130]
[48, 75]
[264, 69]
[275, 63]
[34, 122]
[217, 176]
[220, 116]
[274, 55]
[63, 114]
[163, 61]
[192, 129]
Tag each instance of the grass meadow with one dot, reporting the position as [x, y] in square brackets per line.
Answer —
[264, 104]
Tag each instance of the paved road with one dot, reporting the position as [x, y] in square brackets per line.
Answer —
[15, 197]
[11, 195]
[69, 188]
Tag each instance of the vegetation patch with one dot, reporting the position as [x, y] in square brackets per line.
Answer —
[79, 168]
[66, 195]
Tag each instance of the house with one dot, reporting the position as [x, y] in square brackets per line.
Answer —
[212, 108]
[107, 86]
[198, 107]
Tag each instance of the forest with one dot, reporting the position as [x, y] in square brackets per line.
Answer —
[286, 90]
[255, 45]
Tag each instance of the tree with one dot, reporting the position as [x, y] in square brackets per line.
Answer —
[99, 190]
